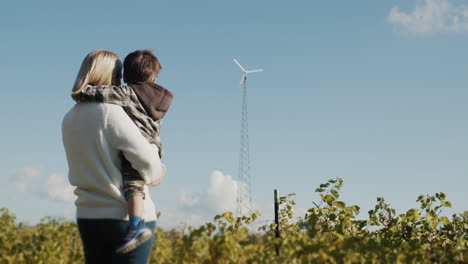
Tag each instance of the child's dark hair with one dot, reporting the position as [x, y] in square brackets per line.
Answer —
[140, 66]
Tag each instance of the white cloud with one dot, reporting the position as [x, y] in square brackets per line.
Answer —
[431, 16]
[197, 208]
[219, 196]
[23, 177]
[57, 188]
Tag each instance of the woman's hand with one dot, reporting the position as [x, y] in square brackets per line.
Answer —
[159, 179]
[156, 182]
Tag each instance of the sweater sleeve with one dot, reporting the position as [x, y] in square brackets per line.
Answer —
[119, 95]
[125, 137]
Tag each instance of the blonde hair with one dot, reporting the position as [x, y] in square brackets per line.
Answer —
[100, 67]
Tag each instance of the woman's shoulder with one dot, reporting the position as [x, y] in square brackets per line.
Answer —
[83, 109]
[108, 118]
[87, 113]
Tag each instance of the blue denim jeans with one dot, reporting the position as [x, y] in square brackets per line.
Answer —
[101, 237]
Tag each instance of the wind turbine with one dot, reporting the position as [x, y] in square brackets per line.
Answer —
[244, 199]
[244, 76]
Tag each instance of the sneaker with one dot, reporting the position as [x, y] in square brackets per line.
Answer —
[135, 237]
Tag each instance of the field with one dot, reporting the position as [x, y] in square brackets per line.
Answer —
[328, 233]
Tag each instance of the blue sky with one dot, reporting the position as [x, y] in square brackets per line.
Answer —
[373, 92]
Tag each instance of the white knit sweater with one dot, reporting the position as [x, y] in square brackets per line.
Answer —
[94, 135]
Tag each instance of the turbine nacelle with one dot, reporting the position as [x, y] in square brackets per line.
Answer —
[244, 76]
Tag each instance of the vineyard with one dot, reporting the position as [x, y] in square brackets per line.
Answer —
[328, 233]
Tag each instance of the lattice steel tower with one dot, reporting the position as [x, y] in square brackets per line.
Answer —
[244, 198]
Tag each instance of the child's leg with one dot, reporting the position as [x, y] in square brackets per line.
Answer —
[133, 185]
[133, 189]
[135, 198]
[135, 206]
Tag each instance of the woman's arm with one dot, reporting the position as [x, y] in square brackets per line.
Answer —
[110, 94]
[125, 136]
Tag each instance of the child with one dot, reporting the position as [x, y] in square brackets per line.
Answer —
[146, 103]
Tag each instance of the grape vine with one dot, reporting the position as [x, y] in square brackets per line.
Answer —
[328, 233]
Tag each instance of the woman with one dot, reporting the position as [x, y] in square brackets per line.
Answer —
[95, 136]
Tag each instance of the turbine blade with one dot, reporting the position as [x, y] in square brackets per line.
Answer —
[257, 70]
[240, 66]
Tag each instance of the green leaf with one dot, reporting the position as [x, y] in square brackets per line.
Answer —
[446, 204]
[254, 216]
[339, 236]
[335, 193]
[440, 196]
[327, 198]
[356, 209]
[228, 216]
[444, 220]
[412, 215]
[339, 204]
